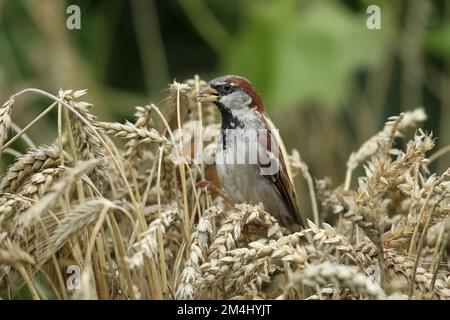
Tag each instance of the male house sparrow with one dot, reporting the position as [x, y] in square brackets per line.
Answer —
[249, 163]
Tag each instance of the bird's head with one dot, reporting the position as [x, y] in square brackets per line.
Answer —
[233, 94]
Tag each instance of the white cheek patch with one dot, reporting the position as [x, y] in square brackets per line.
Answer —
[236, 100]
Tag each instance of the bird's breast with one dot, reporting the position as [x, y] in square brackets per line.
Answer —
[243, 181]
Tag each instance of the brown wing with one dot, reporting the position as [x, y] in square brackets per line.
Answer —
[280, 178]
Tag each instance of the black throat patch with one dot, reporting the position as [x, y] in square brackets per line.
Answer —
[228, 122]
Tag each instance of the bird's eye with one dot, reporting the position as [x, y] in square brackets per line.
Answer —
[227, 88]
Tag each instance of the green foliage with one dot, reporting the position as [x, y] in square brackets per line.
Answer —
[438, 41]
[294, 53]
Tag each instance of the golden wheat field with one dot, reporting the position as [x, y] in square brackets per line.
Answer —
[105, 212]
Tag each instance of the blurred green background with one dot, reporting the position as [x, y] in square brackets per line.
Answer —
[328, 82]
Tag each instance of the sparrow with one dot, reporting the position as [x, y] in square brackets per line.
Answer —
[249, 162]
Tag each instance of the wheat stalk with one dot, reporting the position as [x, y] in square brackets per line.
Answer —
[5, 121]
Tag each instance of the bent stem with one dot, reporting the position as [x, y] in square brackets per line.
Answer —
[105, 145]
[28, 126]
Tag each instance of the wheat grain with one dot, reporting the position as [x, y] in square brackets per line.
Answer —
[133, 148]
[148, 243]
[88, 145]
[72, 224]
[40, 182]
[325, 273]
[130, 131]
[35, 160]
[57, 190]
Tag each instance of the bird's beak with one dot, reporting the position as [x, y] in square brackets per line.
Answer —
[208, 94]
